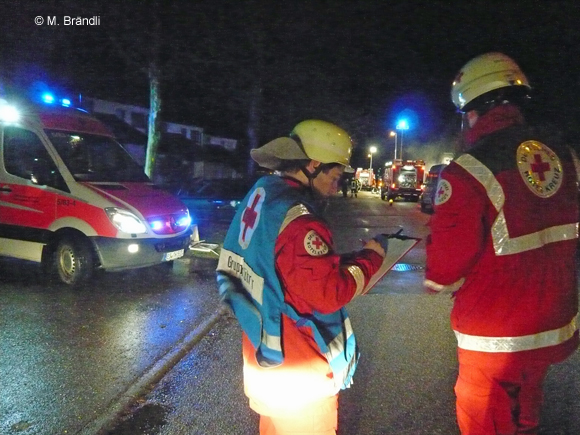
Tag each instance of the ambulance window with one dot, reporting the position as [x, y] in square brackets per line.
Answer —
[25, 156]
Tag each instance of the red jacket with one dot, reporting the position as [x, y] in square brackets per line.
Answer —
[503, 240]
[314, 278]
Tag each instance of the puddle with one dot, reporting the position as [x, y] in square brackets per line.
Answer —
[148, 419]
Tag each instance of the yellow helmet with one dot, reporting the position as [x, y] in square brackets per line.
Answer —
[485, 73]
[323, 141]
[311, 139]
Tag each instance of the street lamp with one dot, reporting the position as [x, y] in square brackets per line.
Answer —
[394, 134]
[372, 151]
[402, 125]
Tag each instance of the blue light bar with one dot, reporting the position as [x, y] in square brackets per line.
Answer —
[48, 98]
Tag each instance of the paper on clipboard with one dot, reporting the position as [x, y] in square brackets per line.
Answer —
[397, 249]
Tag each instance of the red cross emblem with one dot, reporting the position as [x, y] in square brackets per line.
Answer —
[317, 243]
[314, 245]
[443, 192]
[251, 217]
[540, 167]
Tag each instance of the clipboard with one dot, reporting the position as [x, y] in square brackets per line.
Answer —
[399, 245]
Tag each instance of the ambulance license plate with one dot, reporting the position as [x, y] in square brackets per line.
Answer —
[173, 255]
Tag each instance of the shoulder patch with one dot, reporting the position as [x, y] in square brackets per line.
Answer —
[443, 192]
[540, 168]
[314, 244]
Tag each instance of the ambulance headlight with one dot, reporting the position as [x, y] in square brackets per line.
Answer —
[125, 221]
[8, 113]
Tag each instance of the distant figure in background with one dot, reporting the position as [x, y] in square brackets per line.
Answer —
[503, 242]
[344, 185]
[287, 286]
[354, 186]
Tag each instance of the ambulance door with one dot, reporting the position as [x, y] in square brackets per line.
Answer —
[30, 185]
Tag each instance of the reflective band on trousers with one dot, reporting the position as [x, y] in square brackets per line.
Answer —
[517, 344]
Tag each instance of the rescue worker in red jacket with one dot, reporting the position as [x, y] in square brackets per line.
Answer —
[287, 286]
[503, 242]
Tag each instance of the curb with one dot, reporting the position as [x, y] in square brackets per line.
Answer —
[106, 421]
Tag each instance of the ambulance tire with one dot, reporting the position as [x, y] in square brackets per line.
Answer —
[73, 261]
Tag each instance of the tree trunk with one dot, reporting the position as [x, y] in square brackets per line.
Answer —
[154, 127]
[253, 130]
[154, 72]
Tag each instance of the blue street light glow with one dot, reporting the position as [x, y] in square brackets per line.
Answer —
[402, 125]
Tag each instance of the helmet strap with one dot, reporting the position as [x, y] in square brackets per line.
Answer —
[311, 176]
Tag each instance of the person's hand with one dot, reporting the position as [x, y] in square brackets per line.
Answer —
[383, 240]
[376, 246]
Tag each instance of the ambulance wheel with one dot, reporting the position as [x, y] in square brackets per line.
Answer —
[73, 260]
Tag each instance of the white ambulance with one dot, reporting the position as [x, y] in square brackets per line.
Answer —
[73, 199]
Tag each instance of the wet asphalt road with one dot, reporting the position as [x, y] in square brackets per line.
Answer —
[69, 361]
[68, 358]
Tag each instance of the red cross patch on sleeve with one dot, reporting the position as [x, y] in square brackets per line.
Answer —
[540, 168]
[443, 192]
[314, 244]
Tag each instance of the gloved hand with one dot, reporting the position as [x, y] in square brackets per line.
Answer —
[383, 240]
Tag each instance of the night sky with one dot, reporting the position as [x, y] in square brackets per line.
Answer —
[359, 64]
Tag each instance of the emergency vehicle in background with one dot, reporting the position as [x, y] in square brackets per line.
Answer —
[427, 198]
[366, 178]
[403, 179]
[72, 199]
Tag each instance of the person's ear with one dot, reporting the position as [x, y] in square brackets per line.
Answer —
[312, 165]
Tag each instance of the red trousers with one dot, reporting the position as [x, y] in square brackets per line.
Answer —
[497, 397]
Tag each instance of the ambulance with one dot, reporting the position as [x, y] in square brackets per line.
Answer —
[73, 200]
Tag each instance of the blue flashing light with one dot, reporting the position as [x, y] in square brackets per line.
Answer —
[156, 225]
[48, 98]
[65, 102]
[184, 222]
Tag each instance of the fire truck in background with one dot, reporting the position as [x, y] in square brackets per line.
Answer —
[366, 178]
[404, 178]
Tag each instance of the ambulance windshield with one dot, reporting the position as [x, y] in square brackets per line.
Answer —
[95, 158]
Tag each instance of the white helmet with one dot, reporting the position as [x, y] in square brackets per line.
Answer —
[484, 74]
